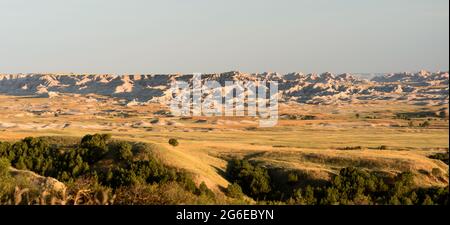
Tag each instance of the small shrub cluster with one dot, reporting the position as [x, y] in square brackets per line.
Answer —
[300, 117]
[351, 148]
[173, 142]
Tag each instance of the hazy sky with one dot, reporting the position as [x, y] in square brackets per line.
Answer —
[168, 36]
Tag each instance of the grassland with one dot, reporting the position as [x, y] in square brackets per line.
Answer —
[319, 147]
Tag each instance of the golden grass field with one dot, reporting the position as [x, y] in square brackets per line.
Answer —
[312, 146]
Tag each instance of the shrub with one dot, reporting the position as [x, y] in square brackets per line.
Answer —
[171, 193]
[254, 180]
[186, 181]
[204, 190]
[234, 191]
[436, 172]
[173, 142]
[425, 124]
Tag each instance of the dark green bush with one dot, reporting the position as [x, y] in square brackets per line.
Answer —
[6, 182]
[425, 124]
[234, 191]
[72, 162]
[124, 151]
[97, 146]
[4, 147]
[441, 156]
[254, 180]
[292, 178]
[204, 190]
[350, 186]
[83, 161]
[173, 142]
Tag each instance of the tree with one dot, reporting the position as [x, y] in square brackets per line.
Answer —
[125, 151]
[173, 142]
[292, 178]
[332, 197]
[442, 114]
[234, 191]
[259, 183]
[4, 168]
[427, 201]
[123, 177]
[4, 149]
[425, 124]
[309, 196]
[97, 146]
[254, 180]
[20, 164]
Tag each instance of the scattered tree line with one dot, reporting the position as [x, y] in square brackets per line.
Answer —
[424, 114]
[135, 176]
[440, 156]
[97, 158]
[298, 117]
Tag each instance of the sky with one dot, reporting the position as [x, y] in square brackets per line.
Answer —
[186, 36]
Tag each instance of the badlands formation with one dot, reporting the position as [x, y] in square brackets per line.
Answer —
[422, 88]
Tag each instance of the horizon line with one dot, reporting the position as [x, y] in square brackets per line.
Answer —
[230, 71]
